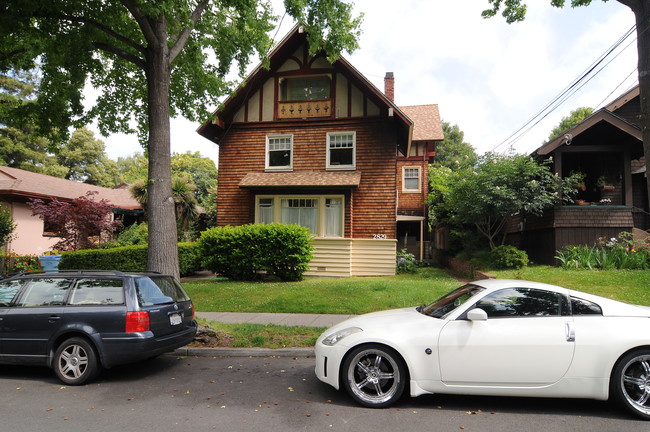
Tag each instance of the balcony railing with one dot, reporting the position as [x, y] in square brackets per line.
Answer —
[305, 109]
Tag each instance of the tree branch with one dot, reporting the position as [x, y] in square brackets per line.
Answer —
[121, 53]
[142, 21]
[185, 34]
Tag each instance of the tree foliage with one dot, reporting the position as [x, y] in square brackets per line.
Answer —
[81, 223]
[576, 116]
[454, 152]
[86, 160]
[7, 226]
[499, 187]
[150, 60]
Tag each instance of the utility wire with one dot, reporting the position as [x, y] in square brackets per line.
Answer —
[553, 103]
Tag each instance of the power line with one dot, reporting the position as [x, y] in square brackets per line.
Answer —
[568, 91]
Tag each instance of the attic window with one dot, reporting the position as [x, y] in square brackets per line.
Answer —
[305, 88]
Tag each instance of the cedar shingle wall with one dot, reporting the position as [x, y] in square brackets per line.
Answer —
[370, 209]
[411, 204]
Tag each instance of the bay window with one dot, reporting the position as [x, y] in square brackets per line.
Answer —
[323, 215]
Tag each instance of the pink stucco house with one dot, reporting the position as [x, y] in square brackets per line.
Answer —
[18, 186]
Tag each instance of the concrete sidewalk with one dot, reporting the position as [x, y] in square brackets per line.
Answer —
[307, 320]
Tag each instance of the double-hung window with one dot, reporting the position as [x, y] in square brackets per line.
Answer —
[411, 181]
[341, 150]
[279, 152]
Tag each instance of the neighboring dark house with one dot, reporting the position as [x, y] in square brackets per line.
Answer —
[311, 142]
[607, 148]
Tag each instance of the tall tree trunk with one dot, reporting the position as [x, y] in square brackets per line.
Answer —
[163, 247]
[641, 9]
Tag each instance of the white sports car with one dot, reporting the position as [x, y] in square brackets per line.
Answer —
[495, 337]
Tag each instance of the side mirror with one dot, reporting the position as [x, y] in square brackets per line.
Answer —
[477, 314]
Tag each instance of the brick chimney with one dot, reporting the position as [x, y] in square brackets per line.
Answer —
[389, 86]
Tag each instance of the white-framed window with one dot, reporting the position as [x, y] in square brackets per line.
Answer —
[341, 150]
[323, 215]
[411, 179]
[279, 152]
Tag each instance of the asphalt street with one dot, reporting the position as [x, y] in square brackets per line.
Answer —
[174, 393]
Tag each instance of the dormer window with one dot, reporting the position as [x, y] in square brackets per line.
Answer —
[305, 88]
[304, 97]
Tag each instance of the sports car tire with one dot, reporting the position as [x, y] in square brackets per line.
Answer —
[75, 361]
[630, 383]
[374, 375]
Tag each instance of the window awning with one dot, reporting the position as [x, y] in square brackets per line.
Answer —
[310, 179]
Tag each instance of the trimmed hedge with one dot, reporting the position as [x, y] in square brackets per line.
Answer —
[127, 258]
[246, 252]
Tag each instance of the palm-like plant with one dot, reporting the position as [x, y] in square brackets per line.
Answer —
[185, 202]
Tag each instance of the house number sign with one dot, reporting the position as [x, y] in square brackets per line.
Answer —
[379, 236]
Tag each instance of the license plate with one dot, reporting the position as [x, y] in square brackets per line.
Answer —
[175, 319]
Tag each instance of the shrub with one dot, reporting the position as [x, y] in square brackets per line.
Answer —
[245, 252]
[127, 258]
[136, 234]
[406, 262]
[509, 257]
[620, 252]
[11, 262]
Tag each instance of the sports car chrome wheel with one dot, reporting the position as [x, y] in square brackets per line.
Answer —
[631, 383]
[374, 375]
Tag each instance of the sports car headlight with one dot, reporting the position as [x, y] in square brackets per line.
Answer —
[335, 337]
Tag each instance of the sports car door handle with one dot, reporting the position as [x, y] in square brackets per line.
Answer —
[570, 333]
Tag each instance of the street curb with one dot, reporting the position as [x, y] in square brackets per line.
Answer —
[244, 352]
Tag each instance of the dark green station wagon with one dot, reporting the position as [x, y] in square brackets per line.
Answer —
[79, 322]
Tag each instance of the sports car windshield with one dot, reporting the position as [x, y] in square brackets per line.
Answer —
[444, 305]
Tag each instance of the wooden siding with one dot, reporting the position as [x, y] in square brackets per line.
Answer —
[350, 257]
[372, 207]
[411, 203]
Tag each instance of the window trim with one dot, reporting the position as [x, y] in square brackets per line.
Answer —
[267, 167]
[354, 151]
[277, 210]
[404, 188]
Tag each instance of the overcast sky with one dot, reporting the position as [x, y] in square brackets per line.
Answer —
[487, 76]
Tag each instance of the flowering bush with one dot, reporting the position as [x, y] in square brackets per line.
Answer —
[621, 252]
[11, 262]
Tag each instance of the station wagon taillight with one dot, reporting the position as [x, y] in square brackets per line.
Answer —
[137, 322]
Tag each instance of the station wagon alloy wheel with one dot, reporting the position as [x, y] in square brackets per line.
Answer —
[76, 361]
[374, 375]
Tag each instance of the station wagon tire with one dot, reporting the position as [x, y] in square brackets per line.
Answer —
[630, 383]
[374, 375]
[75, 361]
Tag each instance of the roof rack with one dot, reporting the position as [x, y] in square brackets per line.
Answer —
[83, 272]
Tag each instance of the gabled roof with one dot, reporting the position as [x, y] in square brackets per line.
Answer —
[27, 184]
[602, 115]
[426, 122]
[623, 99]
[213, 130]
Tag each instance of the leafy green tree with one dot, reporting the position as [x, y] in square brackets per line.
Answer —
[454, 152]
[132, 168]
[576, 116]
[495, 190]
[200, 170]
[515, 10]
[151, 60]
[7, 226]
[86, 160]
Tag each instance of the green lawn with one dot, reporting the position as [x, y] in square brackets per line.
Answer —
[321, 295]
[361, 295]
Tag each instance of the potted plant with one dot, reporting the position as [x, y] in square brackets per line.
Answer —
[604, 184]
[50, 260]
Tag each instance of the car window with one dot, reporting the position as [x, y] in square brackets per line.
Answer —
[158, 290]
[522, 302]
[444, 305]
[44, 292]
[8, 291]
[584, 307]
[98, 292]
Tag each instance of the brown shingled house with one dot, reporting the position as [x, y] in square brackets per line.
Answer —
[315, 143]
[607, 148]
[18, 186]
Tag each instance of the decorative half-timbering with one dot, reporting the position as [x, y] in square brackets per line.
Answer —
[311, 142]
